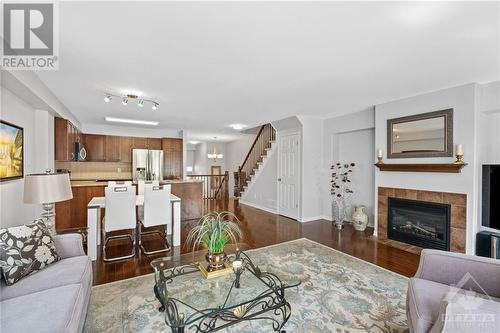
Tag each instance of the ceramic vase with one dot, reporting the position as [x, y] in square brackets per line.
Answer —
[359, 218]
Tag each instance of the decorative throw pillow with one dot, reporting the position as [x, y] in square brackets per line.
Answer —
[25, 250]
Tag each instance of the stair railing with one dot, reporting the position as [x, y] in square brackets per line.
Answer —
[222, 192]
[263, 140]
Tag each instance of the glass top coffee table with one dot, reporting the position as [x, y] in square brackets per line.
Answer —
[193, 304]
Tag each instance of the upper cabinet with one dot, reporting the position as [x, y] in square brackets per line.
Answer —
[113, 149]
[146, 143]
[172, 158]
[126, 146]
[65, 135]
[95, 146]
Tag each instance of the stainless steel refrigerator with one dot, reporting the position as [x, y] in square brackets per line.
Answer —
[147, 164]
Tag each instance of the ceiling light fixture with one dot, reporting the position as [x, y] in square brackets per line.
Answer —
[132, 97]
[131, 121]
[193, 142]
[215, 156]
[237, 127]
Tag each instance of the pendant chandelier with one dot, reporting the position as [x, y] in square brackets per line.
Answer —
[215, 156]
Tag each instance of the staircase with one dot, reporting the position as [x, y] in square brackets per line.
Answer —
[255, 158]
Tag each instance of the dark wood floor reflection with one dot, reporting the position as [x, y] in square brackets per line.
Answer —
[261, 229]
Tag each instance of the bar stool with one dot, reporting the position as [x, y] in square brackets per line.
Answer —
[119, 216]
[157, 211]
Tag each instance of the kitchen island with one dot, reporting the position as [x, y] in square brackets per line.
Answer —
[72, 214]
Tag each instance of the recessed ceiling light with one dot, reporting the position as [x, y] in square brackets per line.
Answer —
[131, 121]
[193, 142]
[124, 101]
[237, 127]
[107, 98]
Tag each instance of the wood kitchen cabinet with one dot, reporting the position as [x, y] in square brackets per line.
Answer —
[154, 144]
[72, 214]
[95, 146]
[126, 146]
[113, 149]
[139, 143]
[172, 158]
[65, 135]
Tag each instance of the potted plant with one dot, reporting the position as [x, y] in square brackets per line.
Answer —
[214, 231]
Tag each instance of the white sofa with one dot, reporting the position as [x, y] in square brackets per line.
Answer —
[54, 299]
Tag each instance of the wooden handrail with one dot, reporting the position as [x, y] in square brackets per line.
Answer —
[225, 182]
[251, 148]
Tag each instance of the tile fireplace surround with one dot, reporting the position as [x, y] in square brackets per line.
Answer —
[458, 204]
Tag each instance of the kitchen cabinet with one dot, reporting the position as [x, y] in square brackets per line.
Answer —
[140, 143]
[154, 144]
[126, 146]
[65, 135]
[113, 149]
[95, 146]
[72, 214]
[172, 158]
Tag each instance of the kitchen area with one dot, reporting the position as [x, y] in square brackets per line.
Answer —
[93, 159]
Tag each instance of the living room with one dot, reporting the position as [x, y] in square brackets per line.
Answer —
[250, 167]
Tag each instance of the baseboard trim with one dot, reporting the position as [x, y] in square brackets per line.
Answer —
[315, 218]
[267, 209]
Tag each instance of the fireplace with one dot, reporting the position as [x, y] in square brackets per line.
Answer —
[421, 223]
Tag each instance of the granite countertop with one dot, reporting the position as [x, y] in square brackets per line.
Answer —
[83, 183]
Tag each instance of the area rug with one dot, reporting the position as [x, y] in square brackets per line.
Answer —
[339, 293]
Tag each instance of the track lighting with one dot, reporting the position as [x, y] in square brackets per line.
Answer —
[131, 97]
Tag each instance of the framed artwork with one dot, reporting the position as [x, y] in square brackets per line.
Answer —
[11, 151]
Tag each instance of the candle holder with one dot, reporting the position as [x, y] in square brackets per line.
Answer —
[379, 158]
[460, 159]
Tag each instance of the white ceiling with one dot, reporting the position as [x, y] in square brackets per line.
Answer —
[213, 64]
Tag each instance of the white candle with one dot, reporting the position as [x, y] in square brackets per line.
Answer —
[237, 264]
[379, 152]
[458, 150]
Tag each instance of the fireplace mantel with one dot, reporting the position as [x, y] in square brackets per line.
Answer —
[404, 167]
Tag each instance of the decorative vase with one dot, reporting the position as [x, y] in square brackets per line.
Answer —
[216, 260]
[339, 209]
[359, 218]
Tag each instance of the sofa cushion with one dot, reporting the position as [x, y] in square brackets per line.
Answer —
[464, 311]
[424, 299]
[25, 250]
[52, 310]
[67, 271]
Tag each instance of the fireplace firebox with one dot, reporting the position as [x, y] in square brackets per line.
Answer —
[421, 223]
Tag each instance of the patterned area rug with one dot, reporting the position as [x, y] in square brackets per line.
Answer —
[339, 293]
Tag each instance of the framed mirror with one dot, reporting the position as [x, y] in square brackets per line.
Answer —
[422, 135]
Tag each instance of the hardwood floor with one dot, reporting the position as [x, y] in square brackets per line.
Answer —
[261, 229]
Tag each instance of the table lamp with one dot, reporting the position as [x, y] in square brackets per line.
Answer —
[47, 188]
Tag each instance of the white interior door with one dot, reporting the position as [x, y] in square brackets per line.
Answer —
[288, 175]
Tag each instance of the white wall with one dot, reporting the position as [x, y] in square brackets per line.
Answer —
[463, 100]
[263, 190]
[236, 152]
[202, 164]
[488, 136]
[38, 141]
[357, 147]
[312, 168]
[350, 138]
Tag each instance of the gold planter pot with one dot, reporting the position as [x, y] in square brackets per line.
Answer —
[216, 260]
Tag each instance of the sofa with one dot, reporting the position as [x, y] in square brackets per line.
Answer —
[54, 299]
[453, 292]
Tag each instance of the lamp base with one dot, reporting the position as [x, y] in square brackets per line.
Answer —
[49, 217]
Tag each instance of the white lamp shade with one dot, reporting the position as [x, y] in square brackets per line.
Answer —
[47, 188]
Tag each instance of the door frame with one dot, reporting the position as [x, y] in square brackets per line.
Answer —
[298, 132]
